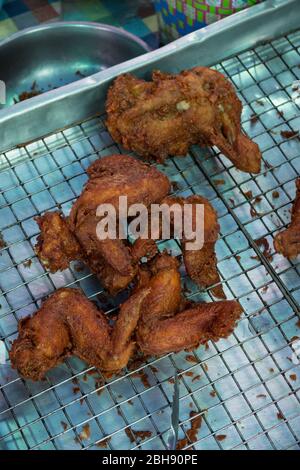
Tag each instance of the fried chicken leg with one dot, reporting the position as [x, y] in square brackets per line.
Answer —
[172, 112]
[287, 242]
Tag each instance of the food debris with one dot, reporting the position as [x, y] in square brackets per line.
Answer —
[205, 366]
[249, 194]
[2, 242]
[189, 373]
[257, 200]
[154, 369]
[197, 377]
[191, 434]
[213, 393]
[289, 134]
[80, 74]
[264, 289]
[143, 376]
[191, 358]
[27, 263]
[25, 95]
[232, 201]
[221, 437]
[253, 119]
[293, 377]
[98, 384]
[238, 257]
[219, 182]
[85, 433]
[136, 363]
[298, 323]
[79, 267]
[280, 113]
[263, 242]
[280, 415]
[137, 435]
[64, 425]
[253, 212]
[275, 194]
[261, 395]
[295, 338]
[103, 444]
[260, 102]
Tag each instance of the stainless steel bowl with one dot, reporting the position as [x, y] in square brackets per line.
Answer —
[49, 56]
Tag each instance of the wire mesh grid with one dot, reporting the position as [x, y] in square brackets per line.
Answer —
[246, 388]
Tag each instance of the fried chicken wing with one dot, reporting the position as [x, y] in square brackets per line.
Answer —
[113, 260]
[168, 324]
[201, 264]
[155, 318]
[172, 112]
[189, 328]
[287, 242]
[69, 324]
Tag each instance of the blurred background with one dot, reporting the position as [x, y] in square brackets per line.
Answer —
[155, 21]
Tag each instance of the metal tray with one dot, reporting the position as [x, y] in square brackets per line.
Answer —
[49, 56]
[246, 387]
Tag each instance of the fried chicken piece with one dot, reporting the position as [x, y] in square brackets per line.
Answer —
[188, 329]
[112, 260]
[161, 329]
[56, 245]
[201, 264]
[69, 324]
[172, 112]
[287, 242]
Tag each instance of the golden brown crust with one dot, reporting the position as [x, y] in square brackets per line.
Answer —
[112, 260]
[68, 323]
[201, 264]
[287, 242]
[167, 115]
[190, 328]
[156, 313]
[56, 245]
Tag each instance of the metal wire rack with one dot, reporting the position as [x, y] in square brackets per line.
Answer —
[246, 387]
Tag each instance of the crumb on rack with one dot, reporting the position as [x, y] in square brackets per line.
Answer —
[263, 242]
[290, 134]
[253, 119]
[137, 435]
[64, 425]
[191, 358]
[219, 182]
[27, 263]
[196, 421]
[104, 443]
